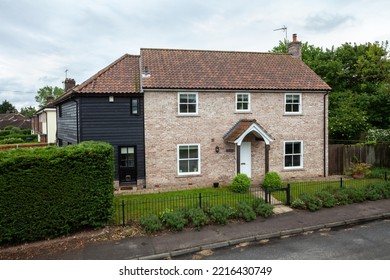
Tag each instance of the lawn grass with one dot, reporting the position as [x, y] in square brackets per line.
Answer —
[133, 207]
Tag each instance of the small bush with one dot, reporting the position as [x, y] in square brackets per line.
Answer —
[245, 211]
[355, 195]
[11, 141]
[220, 214]
[198, 217]
[151, 223]
[241, 183]
[374, 191]
[327, 199]
[261, 208]
[175, 220]
[298, 204]
[272, 180]
[312, 202]
[342, 197]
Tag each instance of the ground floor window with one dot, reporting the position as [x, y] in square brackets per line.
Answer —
[293, 154]
[188, 156]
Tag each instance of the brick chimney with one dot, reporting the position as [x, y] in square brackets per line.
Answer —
[295, 47]
[69, 83]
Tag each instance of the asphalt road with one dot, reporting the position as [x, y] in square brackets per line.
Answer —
[361, 242]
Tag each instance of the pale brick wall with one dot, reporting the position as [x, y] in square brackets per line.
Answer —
[164, 130]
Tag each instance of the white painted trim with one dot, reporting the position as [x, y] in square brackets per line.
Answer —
[258, 131]
[249, 103]
[178, 104]
[284, 155]
[178, 160]
[300, 103]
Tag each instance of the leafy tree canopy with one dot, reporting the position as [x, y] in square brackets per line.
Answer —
[28, 111]
[46, 92]
[7, 107]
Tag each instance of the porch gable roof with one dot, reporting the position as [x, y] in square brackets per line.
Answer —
[242, 128]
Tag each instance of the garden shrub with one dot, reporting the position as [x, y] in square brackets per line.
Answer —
[245, 211]
[220, 214]
[175, 220]
[375, 191]
[342, 197]
[53, 191]
[327, 199]
[298, 204]
[272, 180]
[198, 217]
[241, 183]
[312, 202]
[151, 224]
[262, 208]
[11, 141]
[355, 195]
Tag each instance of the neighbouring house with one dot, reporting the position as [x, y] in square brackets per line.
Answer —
[107, 107]
[203, 116]
[14, 119]
[44, 123]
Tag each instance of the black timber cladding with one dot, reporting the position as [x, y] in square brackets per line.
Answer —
[67, 122]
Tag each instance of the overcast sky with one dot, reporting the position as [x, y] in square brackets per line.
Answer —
[40, 39]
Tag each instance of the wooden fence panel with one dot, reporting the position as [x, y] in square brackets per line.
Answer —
[342, 156]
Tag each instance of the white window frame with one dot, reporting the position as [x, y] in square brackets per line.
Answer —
[299, 112]
[249, 102]
[301, 154]
[179, 172]
[178, 104]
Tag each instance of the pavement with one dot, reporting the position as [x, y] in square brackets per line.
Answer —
[285, 222]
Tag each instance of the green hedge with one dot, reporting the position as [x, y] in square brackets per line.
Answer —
[49, 192]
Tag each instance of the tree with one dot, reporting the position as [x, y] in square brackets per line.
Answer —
[28, 111]
[7, 107]
[46, 92]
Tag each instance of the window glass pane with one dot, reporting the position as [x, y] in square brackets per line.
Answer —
[183, 166]
[288, 149]
[288, 161]
[192, 98]
[183, 108]
[191, 108]
[239, 97]
[297, 160]
[295, 108]
[245, 106]
[289, 98]
[123, 151]
[295, 99]
[193, 165]
[239, 106]
[134, 106]
[245, 97]
[297, 148]
[183, 152]
[183, 98]
[193, 152]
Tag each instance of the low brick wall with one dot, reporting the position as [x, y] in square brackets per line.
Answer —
[17, 146]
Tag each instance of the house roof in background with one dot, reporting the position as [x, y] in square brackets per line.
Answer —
[16, 120]
[219, 70]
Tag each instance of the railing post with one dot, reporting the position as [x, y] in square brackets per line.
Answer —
[341, 183]
[288, 194]
[200, 200]
[123, 212]
[266, 195]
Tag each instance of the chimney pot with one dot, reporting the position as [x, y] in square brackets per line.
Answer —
[294, 37]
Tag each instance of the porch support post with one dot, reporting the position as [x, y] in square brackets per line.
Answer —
[238, 157]
[267, 148]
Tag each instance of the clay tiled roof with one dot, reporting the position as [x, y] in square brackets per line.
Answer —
[193, 69]
[121, 76]
[17, 120]
[240, 127]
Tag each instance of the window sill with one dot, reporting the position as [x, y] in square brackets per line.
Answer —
[187, 115]
[188, 175]
[243, 112]
[292, 114]
[292, 169]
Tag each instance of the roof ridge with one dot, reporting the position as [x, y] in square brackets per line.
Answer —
[212, 51]
[102, 71]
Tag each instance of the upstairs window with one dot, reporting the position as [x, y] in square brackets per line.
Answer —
[134, 104]
[293, 103]
[243, 102]
[188, 103]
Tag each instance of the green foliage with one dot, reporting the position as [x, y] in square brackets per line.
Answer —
[28, 111]
[378, 135]
[44, 93]
[220, 214]
[7, 107]
[241, 183]
[175, 220]
[355, 195]
[261, 208]
[342, 197]
[245, 211]
[378, 190]
[327, 199]
[151, 224]
[11, 141]
[272, 180]
[198, 217]
[49, 192]
[298, 204]
[312, 202]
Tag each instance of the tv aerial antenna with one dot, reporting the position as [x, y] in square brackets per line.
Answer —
[284, 29]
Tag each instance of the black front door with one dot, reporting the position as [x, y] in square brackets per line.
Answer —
[127, 165]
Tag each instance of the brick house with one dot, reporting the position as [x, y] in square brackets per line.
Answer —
[209, 115]
[212, 114]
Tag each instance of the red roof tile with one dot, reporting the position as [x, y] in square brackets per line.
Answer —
[121, 76]
[239, 128]
[194, 69]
